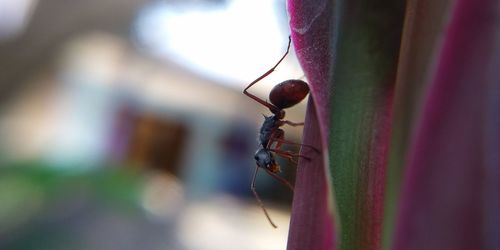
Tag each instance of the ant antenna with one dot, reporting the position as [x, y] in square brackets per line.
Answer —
[259, 200]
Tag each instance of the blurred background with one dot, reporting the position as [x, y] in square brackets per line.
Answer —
[123, 124]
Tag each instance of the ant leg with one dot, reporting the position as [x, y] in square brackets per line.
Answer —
[275, 137]
[293, 124]
[280, 179]
[259, 100]
[261, 204]
[281, 141]
[288, 154]
[279, 137]
[277, 133]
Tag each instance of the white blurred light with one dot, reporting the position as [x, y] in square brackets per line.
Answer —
[85, 106]
[227, 223]
[14, 16]
[235, 42]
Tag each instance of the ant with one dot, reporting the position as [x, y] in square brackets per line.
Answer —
[284, 95]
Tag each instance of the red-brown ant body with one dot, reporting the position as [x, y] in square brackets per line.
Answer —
[271, 137]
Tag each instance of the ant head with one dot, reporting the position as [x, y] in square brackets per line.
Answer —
[265, 159]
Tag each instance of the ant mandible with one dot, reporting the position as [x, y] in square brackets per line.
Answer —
[284, 95]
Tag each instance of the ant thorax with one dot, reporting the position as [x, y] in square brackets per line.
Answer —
[271, 123]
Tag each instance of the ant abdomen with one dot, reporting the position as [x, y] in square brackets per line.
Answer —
[288, 93]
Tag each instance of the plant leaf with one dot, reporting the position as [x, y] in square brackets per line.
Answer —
[422, 35]
[312, 224]
[365, 67]
[348, 50]
[451, 189]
